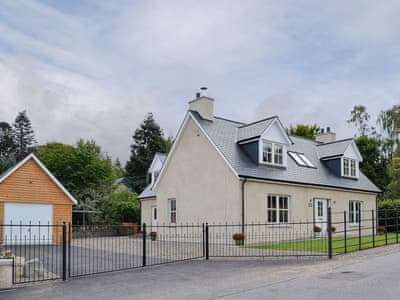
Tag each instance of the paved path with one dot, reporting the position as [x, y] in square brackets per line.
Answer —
[370, 274]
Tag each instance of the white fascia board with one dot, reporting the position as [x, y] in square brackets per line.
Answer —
[176, 141]
[43, 167]
[283, 131]
[178, 135]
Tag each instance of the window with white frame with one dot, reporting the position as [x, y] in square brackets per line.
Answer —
[278, 209]
[350, 167]
[172, 210]
[272, 153]
[355, 211]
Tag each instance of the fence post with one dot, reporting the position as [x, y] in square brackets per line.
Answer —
[144, 245]
[397, 225]
[207, 245]
[359, 231]
[204, 240]
[345, 232]
[386, 229]
[329, 233]
[69, 248]
[64, 247]
[373, 228]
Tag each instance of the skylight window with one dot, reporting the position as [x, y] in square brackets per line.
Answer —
[297, 159]
[301, 159]
[306, 160]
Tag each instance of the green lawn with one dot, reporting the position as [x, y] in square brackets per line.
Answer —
[338, 244]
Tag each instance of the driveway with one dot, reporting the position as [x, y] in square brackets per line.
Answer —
[369, 274]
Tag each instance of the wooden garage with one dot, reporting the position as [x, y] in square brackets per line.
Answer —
[31, 195]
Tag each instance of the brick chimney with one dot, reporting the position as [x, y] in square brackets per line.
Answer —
[203, 104]
[326, 136]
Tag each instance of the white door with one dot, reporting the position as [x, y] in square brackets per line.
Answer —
[154, 218]
[28, 223]
[321, 214]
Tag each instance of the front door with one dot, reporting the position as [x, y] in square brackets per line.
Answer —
[321, 214]
[154, 218]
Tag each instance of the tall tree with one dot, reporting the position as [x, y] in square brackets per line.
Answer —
[147, 140]
[23, 132]
[360, 118]
[393, 189]
[7, 144]
[389, 121]
[303, 130]
[374, 164]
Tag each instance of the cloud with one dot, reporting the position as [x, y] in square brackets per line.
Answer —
[95, 69]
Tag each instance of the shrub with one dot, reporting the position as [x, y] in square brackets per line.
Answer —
[238, 236]
[317, 228]
[153, 235]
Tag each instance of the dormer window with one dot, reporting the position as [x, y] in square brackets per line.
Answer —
[349, 167]
[272, 153]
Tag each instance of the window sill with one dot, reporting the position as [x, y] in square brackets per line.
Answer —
[273, 165]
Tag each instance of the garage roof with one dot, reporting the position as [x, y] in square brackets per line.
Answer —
[10, 171]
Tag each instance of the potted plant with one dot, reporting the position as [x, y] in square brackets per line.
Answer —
[317, 228]
[333, 229]
[380, 229]
[238, 238]
[153, 235]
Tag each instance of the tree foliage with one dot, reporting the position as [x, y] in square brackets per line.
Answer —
[147, 140]
[374, 165]
[389, 122]
[80, 168]
[120, 205]
[24, 135]
[303, 130]
[359, 117]
[7, 143]
[6, 163]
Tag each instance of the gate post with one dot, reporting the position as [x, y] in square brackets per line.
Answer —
[203, 240]
[345, 232]
[373, 229]
[386, 228]
[397, 225]
[329, 233]
[359, 232]
[64, 251]
[144, 245]
[69, 248]
[207, 244]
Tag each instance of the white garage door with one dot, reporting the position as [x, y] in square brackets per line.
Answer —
[28, 223]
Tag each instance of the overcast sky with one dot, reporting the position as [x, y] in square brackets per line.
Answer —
[93, 69]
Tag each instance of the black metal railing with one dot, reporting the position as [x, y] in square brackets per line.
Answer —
[36, 250]
[50, 252]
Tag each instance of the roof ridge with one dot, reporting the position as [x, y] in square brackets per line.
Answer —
[229, 120]
[259, 121]
[304, 139]
[337, 141]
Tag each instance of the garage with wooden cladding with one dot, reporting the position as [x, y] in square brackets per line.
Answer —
[32, 203]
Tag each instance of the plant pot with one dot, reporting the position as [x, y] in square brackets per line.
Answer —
[239, 242]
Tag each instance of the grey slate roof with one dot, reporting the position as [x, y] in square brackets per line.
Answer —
[147, 192]
[248, 131]
[224, 135]
[336, 148]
